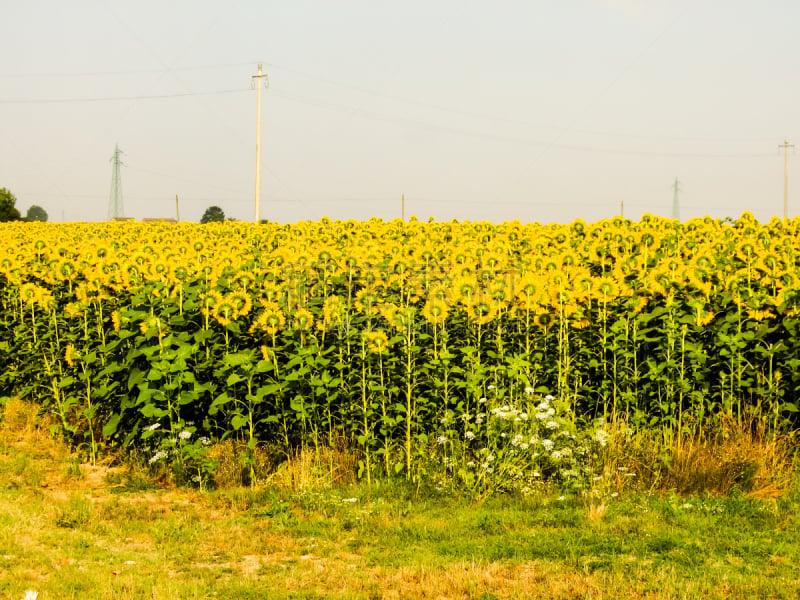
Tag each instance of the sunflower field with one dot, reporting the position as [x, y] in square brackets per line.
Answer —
[403, 340]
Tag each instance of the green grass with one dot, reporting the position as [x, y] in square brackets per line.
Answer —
[69, 530]
[269, 544]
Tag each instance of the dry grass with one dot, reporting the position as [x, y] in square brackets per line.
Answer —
[731, 457]
[316, 468]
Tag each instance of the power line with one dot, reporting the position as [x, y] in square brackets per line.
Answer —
[125, 72]
[429, 126]
[118, 98]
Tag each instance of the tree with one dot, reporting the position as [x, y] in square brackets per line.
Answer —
[36, 213]
[212, 214]
[8, 211]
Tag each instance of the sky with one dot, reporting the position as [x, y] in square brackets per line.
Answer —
[536, 110]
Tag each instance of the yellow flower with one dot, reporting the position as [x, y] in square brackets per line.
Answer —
[265, 353]
[435, 311]
[332, 313]
[303, 319]
[240, 301]
[224, 312]
[70, 355]
[270, 321]
[366, 301]
[377, 341]
[29, 293]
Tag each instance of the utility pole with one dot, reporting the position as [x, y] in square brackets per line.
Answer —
[786, 145]
[115, 208]
[177, 210]
[622, 208]
[403, 207]
[258, 84]
[676, 209]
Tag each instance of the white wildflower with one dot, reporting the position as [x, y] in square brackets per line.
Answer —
[601, 436]
[185, 435]
[469, 435]
[441, 440]
[152, 427]
[529, 390]
[517, 440]
[157, 457]
[551, 425]
[547, 444]
[482, 401]
[349, 499]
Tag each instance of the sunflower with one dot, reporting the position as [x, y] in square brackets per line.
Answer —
[240, 301]
[435, 311]
[367, 301]
[377, 341]
[333, 313]
[481, 311]
[303, 319]
[270, 320]
[224, 312]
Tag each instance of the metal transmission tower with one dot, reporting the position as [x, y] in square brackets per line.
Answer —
[676, 209]
[115, 208]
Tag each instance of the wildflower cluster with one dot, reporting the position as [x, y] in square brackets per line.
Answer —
[521, 446]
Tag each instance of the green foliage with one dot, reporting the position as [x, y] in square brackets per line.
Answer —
[165, 352]
[213, 214]
[36, 213]
[8, 210]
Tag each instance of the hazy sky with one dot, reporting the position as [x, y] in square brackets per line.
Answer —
[538, 110]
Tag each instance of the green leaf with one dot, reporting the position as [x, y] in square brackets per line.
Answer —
[233, 379]
[110, 428]
[238, 421]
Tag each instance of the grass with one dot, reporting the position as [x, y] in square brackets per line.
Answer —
[70, 530]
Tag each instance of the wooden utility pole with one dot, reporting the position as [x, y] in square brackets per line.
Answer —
[258, 83]
[786, 145]
[177, 210]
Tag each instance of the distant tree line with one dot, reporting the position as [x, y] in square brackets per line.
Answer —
[9, 211]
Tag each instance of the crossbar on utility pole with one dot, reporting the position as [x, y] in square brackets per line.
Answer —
[786, 145]
[258, 84]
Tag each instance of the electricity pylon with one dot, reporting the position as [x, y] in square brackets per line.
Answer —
[115, 208]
